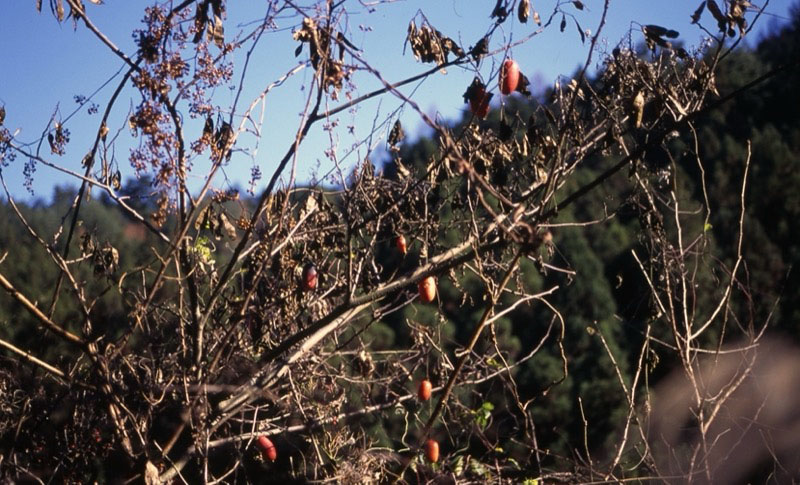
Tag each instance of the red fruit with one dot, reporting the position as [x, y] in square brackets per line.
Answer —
[400, 244]
[267, 448]
[427, 289]
[509, 77]
[479, 103]
[478, 98]
[424, 391]
[309, 280]
[432, 451]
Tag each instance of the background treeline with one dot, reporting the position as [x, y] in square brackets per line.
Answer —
[608, 295]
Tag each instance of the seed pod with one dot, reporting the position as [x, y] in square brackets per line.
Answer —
[424, 391]
[427, 289]
[432, 451]
[509, 77]
[309, 278]
[267, 449]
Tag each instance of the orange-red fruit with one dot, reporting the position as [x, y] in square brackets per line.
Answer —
[479, 103]
[309, 281]
[509, 77]
[432, 451]
[427, 289]
[424, 391]
[267, 448]
[400, 244]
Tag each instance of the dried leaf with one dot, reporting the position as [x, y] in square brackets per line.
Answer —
[208, 128]
[396, 136]
[429, 45]
[658, 30]
[697, 13]
[563, 23]
[87, 244]
[480, 49]
[524, 11]
[116, 180]
[204, 218]
[654, 29]
[522, 85]
[638, 108]
[580, 31]
[2, 115]
[499, 12]
[218, 32]
[578, 4]
[60, 10]
[225, 227]
[200, 20]
[722, 20]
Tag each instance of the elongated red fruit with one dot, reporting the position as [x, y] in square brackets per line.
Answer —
[424, 391]
[400, 244]
[267, 449]
[427, 289]
[479, 103]
[509, 76]
[478, 98]
[309, 278]
[432, 450]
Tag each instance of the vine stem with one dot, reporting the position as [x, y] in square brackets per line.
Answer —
[451, 382]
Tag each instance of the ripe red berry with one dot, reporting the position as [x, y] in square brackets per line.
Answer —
[424, 391]
[509, 76]
[400, 244]
[427, 289]
[479, 103]
[309, 279]
[432, 451]
[267, 448]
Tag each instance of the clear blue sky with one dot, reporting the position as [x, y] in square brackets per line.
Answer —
[44, 65]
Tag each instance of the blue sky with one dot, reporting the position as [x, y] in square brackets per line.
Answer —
[45, 64]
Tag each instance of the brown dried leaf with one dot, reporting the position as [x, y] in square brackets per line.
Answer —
[721, 19]
[200, 20]
[500, 12]
[225, 227]
[580, 31]
[480, 49]
[524, 11]
[204, 218]
[697, 13]
[396, 136]
[116, 180]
